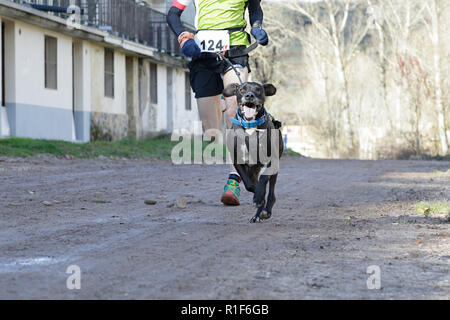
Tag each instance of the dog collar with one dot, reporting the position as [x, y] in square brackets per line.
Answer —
[248, 124]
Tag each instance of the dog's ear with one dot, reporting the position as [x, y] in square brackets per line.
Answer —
[269, 90]
[230, 90]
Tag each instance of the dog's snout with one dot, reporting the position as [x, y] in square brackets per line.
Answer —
[249, 95]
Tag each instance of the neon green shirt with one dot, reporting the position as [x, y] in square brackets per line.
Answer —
[220, 15]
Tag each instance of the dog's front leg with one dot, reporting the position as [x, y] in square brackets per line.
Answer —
[259, 200]
[260, 192]
[243, 172]
[267, 212]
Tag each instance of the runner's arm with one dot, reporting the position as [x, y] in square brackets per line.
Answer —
[185, 38]
[255, 12]
[174, 16]
[256, 18]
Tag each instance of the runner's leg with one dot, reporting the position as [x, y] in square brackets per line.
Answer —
[231, 102]
[232, 190]
[210, 112]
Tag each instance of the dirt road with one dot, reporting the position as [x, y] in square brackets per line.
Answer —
[333, 220]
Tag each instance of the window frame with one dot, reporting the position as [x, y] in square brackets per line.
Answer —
[109, 92]
[153, 67]
[48, 63]
[187, 92]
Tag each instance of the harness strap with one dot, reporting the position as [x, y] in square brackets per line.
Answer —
[236, 29]
[235, 52]
[231, 30]
[239, 52]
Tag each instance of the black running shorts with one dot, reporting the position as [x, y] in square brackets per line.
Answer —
[206, 73]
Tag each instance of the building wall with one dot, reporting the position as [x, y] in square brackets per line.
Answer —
[164, 6]
[153, 118]
[3, 115]
[100, 103]
[109, 118]
[33, 110]
[10, 76]
[78, 109]
[10, 62]
[147, 110]
[158, 5]
[161, 124]
[1, 66]
[183, 119]
[82, 90]
[188, 15]
[5, 130]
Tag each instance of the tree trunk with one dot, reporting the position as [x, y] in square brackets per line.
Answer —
[437, 78]
[342, 78]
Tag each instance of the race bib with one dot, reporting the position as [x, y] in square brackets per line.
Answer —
[213, 40]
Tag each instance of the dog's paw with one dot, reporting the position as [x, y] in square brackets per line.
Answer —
[265, 215]
[255, 219]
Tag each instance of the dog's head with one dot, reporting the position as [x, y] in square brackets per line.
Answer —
[250, 97]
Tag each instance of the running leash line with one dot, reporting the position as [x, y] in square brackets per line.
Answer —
[250, 48]
[221, 56]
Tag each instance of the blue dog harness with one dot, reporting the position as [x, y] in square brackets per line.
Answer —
[248, 124]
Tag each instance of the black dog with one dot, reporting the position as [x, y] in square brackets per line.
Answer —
[256, 134]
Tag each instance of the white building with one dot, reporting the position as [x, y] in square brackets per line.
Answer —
[103, 78]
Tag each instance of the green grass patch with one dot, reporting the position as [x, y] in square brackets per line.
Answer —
[291, 152]
[129, 148]
[428, 209]
[159, 148]
[441, 173]
[442, 158]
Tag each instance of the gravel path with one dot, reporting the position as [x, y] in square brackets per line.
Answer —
[333, 220]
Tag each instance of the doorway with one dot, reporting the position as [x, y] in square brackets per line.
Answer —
[80, 111]
[7, 71]
[3, 97]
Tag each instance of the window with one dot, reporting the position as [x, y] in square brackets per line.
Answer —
[187, 91]
[51, 62]
[141, 74]
[153, 83]
[109, 72]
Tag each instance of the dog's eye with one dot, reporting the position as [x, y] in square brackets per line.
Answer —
[242, 90]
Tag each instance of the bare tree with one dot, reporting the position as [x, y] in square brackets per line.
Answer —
[376, 10]
[432, 7]
[400, 18]
[343, 36]
[266, 60]
[369, 72]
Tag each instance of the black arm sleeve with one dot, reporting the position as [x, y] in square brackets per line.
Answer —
[174, 20]
[255, 12]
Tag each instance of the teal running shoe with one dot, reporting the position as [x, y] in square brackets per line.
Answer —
[231, 193]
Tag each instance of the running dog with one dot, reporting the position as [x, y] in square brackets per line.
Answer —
[255, 144]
